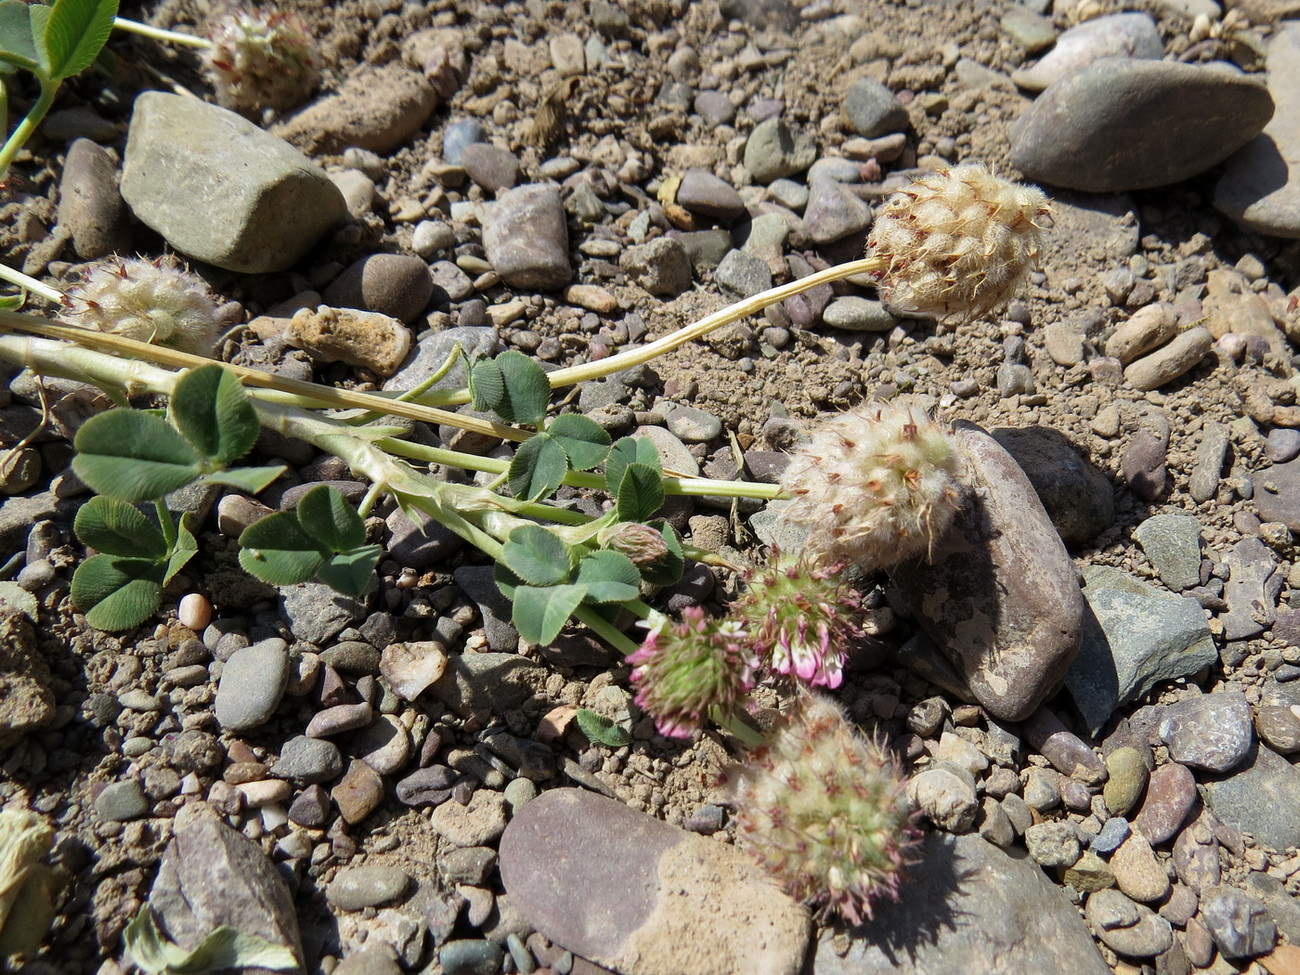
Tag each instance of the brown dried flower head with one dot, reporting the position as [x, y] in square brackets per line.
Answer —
[959, 243]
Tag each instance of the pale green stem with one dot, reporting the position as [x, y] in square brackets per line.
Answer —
[25, 128]
[725, 316]
[737, 727]
[606, 630]
[161, 34]
[372, 495]
[29, 283]
[686, 486]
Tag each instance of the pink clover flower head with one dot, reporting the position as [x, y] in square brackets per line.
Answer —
[684, 670]
[802, 620]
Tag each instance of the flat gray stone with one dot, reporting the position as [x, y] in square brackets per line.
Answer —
[304, 761]
[316, 613]
[368, 885]
[1126, 927]
[121, 801]
[1251, 591]
[431, 353]
[1260, 188]
[999, 593]
[872, 110]
[1173, 544]
[775, 150]
[210, 876]
[251, 686]
[221, 190]
[1134, 637]
[968, 907]
[483, 683]
[1123, 124]
[710, 196]
[676, 903]
[1260, 798]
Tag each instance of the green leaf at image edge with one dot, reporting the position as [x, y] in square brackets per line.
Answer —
[210, 407]
[486, 385]
[73, 35]
[16, 35]
[117, 593]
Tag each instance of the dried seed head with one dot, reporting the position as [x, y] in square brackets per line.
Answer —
[149, 301]
[684, 670]
[824, 811]
[875, 485]
[261, 59]
[959, 243]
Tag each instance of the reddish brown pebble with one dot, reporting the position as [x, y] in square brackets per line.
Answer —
[1171, 794]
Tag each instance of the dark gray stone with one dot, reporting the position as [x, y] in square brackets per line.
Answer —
[872, 110]
[91, 209]
[703, 193]
[1239, 923]
[1134, 636]
[397, 285]
[483, 684]
[1259, 188]
[1260, 798]
[368, 885]
[660, 266]
[1251, 591]
[968, 907]
[1122, 124]
[1277, 494]
[251, 686]
[743, 274]
[495, 609]
[1128, 928]
[775, 150]
[304, 761]
[316, 613]
[999, 594]
[1173, 544]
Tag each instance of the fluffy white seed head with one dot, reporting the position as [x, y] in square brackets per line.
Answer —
[261, 59]
[959, 243]
[875, 485]
[149, 301]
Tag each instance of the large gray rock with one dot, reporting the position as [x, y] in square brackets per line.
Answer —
[675, 904]
[211, 875]
[1260, 188]
[1134, 637]
[969, 907]
[999, 593]
[1122, 124]
[1260, 798]
[221, 190]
